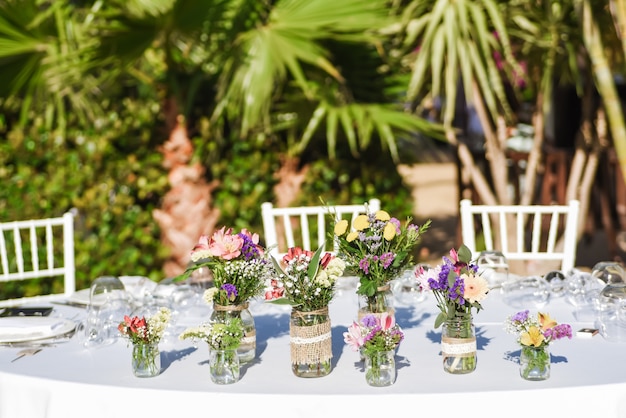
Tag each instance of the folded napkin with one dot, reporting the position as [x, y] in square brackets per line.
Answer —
[18, 327]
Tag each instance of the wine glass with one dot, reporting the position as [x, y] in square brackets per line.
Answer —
[526, 291]
[493, 267]
[608, 272]
[405, 288]
[108, 303]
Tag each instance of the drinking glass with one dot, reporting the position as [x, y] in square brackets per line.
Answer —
[608, 272]
[556, 280]
[582, 291]
[108, 303]
[493, 267]
[526, 292]
[405, 289]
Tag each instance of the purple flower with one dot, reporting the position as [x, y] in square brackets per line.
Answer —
[387, 259]
[364, 265]
[397, 224]
[520, 316]
[249, 249]
[369, 321]
[231, 290]
[558, 332]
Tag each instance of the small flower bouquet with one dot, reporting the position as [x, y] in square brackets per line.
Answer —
[376, 337]
[456, 285]
[307, 282]
[534, 334]
[223, 340]
[219, 336]
[145, 331]
[373, 334]
[145, 334]
[377, 247]
[458, 289]
[235, 259]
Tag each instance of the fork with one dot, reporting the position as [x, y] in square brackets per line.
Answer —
[26, 352]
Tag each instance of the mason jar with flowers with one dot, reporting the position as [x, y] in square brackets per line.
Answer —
[534, 335]
[145, 335]
[240, 267]
[377, 247]
[458, 289]
[306, 281]
[376, 337]
[223, 340]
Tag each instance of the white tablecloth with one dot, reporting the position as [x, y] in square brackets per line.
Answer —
[588, 375]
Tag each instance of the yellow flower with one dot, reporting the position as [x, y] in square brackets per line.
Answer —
[532, 337]
[341, 227]
[545, 321]
[352, 236]
[389, 232]
[381, 215]
[361, 222]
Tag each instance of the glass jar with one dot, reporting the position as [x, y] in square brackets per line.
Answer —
[146, 360]
[380, 368]
[224, 366]
[381, 301]
[534, 363]
[458, 345]
[223, 313]
[310, 343]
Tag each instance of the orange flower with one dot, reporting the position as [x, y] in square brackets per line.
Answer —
[545, 321]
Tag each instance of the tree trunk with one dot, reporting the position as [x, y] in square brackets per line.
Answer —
[186, 212]
[605, 83]
[290, 178]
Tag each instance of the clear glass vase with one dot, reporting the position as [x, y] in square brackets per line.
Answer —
[380, 368]
[534, 363]
[223, 313]
[146, 360]
[224, 366]
[458, 345]
[310, 343]
[381, 301]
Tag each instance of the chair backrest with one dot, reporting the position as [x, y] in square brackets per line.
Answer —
[284, 228]
[38, 248]
[533, 232]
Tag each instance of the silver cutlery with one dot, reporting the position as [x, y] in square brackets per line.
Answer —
[26, 352]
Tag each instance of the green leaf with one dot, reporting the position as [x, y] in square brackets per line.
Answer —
[465, 254]
[367, 287]
[282, 301]
[314, 265]
[441, 318]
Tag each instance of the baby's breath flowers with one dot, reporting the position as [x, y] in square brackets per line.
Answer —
[536, 331]
[307, 281]
[236, 260]
[145, 331]
[219, 336]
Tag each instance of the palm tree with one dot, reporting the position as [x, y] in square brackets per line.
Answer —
[261, 70]
[456, 41]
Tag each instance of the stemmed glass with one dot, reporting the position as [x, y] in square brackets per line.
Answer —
[405, 288]
[526, 291]
[608, 272]
[108, 303]
[493, 267]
